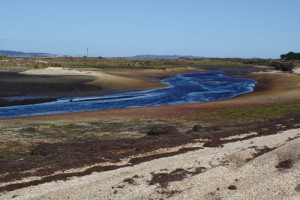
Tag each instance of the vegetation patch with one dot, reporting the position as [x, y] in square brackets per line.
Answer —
[92, 62]
[13, 155]
[290, 56]
[232, 187]
[163, 179]
[251, 114]
[109, 127]
[282, 66]
[14, 150]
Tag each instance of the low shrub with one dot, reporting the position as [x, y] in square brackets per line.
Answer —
[287, 67]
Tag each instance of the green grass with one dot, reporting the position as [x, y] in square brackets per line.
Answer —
[77, 62]
[153, 64]
[30, 132]
[93, 62]
[251, 114]
[110, 127]
[72, 132]
[67, 127]
[12, 149]
[13, 155]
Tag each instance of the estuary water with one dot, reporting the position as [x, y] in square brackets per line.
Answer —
[181, 89]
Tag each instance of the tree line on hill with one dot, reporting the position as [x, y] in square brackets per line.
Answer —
[285, 64]
[23, 54]
[290, 56]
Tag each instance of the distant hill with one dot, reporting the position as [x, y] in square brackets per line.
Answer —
[23, 54]
[167, 57]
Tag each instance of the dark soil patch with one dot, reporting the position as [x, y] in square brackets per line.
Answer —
[163, 179]
[260, 152]
[232, 187]
[53, 157]
[159, 129]
[15, 84]
[286, 164]
[4, 102]
[130, 181]
[56, 177]
[269, 127]
[139, 160]
[197, 128]
[62, 156]
[170, 193]
[291, 139]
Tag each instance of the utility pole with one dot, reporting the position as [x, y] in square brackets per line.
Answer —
[87, 52]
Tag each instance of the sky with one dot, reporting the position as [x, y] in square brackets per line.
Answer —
[113, 28]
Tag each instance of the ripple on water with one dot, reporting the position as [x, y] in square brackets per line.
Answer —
[181, 89]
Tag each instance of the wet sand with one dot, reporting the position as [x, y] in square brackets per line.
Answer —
[51, 83]
[272, 87]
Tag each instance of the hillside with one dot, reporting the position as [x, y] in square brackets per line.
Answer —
[23, 54]
[167, 57]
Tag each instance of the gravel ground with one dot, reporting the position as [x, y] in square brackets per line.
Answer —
[238, 170]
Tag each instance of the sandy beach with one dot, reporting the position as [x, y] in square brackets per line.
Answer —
[258, 160]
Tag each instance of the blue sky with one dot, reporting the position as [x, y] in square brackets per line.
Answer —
[209, 28]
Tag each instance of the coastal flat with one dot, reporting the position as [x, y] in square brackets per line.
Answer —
[185, 159]
[152, 101]
[272, 88]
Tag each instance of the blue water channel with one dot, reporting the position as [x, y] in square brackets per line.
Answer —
[180, 89]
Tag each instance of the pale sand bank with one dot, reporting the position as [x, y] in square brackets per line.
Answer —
[232, 165]
[55, 71]
[297, 70]
[115, 79]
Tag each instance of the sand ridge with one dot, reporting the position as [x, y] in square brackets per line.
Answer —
[55, 71]
[114, 80]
